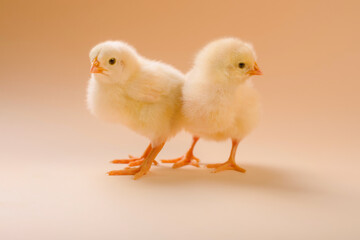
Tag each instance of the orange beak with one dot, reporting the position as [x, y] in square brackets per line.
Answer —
[255, 71]
[95, 67]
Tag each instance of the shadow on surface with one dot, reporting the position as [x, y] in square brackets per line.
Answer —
[263, 177]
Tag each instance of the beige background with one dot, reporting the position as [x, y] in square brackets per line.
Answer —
[303, 160]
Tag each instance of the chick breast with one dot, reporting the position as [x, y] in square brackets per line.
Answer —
[149, 103]
[214, 114]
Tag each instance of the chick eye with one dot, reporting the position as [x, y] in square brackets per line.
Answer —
[112, 61]
[241, 65]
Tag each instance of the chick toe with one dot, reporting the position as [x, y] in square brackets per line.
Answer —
[229, 165]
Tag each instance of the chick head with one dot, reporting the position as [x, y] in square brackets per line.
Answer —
[113, 61]
[229, 59]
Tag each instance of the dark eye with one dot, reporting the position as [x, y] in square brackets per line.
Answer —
[112, 61]
[241, 65]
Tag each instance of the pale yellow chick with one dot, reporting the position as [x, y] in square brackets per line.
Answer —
[139, 93]
[220, 101]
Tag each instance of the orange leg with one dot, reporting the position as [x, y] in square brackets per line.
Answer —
[144, 167]
[229, 164]
[134, 161]
[188, 159]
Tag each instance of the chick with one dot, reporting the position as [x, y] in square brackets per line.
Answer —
[139, 93]
[220, 101]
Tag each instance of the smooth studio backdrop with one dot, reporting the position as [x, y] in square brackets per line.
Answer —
[302, 179]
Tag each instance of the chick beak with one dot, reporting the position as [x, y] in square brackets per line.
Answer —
[95, 67]
[255, 71]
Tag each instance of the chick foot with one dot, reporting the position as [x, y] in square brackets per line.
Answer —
[140, 161]
[138, 172]
[230, 164]
[183, 161]
[134, 161]
[188, 159]
[225, 166]
[127, 171]
[144, 167]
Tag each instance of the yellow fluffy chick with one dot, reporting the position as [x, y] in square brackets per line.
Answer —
[139, 93]
[220, 101]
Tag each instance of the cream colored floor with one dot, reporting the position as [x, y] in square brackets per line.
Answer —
[53, 186]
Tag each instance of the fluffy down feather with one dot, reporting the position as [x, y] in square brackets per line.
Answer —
[139, 93]
[219, 100]
[142, 94]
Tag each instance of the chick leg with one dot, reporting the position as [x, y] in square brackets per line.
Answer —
[145, 165]
[187, 159]
[230, 164]
[134, 161]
